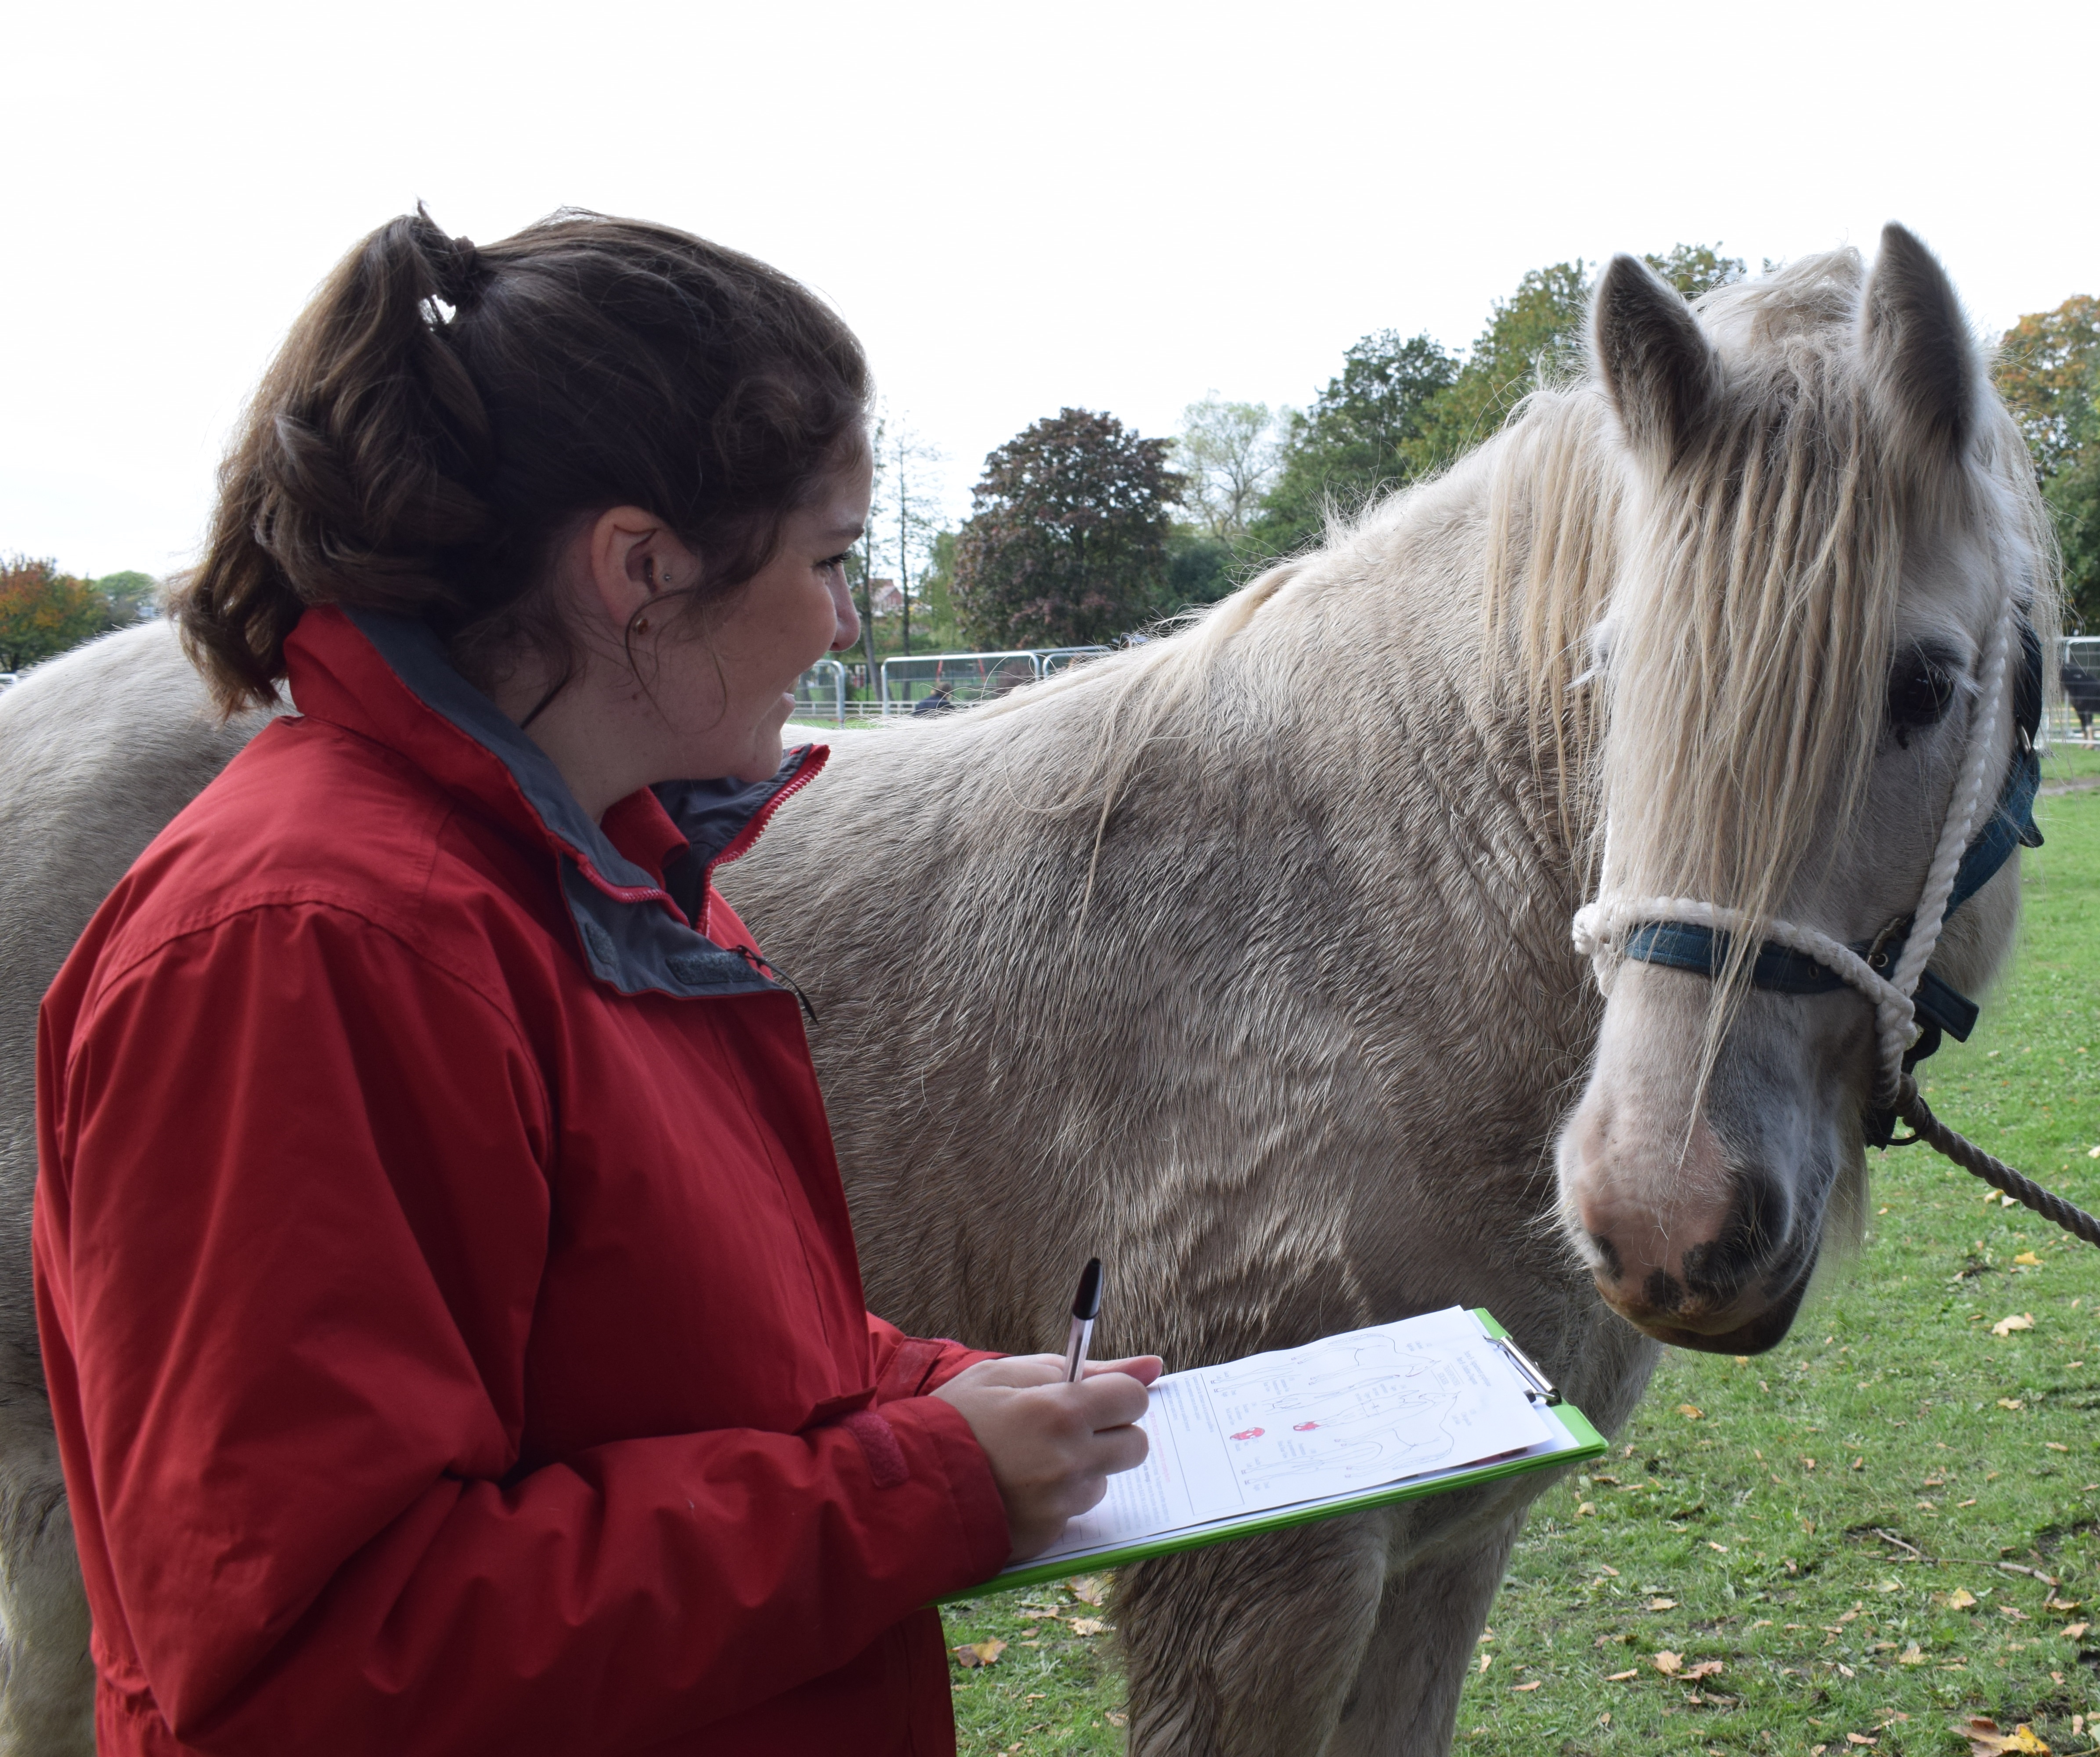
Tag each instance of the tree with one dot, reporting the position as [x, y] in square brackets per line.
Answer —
[1533, 337]
[133, 597]
[1225, 451]
[1350, 445]
[1695, 269]
[1402, 409]
[43, 611]
[1066, 542]
[911, 512]
[2046, 372]
[2049, 373]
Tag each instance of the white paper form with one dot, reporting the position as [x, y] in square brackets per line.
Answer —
[1418, 1398]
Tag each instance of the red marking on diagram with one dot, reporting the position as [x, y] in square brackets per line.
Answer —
[1248, 1433]
[1305, 1427]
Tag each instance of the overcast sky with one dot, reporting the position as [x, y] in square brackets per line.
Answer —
[1118, 206]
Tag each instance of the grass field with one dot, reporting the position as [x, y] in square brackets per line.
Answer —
[1888, 1524]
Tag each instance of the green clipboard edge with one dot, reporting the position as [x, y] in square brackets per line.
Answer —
[1590, 1444]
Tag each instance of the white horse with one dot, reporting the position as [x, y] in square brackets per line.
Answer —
[1242, 959]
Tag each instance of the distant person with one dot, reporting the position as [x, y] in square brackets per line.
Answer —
[2081, 689]
[942, 700]
[451, 1320]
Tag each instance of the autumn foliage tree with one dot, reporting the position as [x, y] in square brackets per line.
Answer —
[1066, 545]
[2049, 371]
[43, 611]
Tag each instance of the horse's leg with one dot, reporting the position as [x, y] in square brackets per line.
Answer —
[1404, 1696]
[1247, 1650]
[46, 1676]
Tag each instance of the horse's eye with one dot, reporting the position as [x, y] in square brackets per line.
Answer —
[1919, 690]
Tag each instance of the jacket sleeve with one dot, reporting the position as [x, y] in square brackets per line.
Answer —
[910, 1366]
[293, 1216]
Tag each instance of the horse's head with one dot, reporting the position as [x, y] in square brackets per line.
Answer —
[1826, 515]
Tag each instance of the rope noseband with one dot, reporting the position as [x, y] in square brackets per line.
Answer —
[1915, 1007]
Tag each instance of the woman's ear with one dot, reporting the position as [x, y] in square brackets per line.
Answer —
[631, 556]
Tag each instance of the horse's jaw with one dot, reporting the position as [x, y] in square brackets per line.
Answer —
[1700, 1206]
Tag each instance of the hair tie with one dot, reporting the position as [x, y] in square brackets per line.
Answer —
[468, 274]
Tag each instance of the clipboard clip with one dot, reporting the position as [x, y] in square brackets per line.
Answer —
[1536, 1386]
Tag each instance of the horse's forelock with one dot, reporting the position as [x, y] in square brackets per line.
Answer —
[1755, 606]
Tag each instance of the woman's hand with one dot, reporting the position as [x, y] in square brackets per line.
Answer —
[1053, 1446]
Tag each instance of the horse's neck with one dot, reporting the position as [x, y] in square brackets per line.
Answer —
[1481, 590]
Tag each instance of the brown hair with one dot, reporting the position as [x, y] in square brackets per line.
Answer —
[441, 415]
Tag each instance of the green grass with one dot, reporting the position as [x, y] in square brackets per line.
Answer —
[1710, 1536]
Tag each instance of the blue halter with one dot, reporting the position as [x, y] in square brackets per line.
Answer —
[1941, 1009]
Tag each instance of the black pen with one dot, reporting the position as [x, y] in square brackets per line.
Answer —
[1086, 1307]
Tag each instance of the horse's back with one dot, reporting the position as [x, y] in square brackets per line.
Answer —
[99, 749]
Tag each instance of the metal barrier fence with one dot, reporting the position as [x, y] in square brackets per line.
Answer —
[2082, 650]
[820, 693]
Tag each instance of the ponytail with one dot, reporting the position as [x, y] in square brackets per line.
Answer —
[440, 414]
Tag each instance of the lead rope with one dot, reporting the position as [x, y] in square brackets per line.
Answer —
[1910, 1106]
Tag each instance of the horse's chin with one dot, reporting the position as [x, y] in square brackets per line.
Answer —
[1727, 1333]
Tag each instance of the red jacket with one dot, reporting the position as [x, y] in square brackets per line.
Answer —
[450, 1311]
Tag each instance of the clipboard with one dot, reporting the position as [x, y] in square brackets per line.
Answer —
[1570, 1439]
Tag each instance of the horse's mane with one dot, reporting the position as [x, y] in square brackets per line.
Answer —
[1744, 601]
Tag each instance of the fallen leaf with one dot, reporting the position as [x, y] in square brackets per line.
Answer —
[2056, 1446]
[1531, 1686]
[1960, 1599]
[1669, 1664]
[1848, 1672]
[2008, 1403]
[1093, 1588]
[1621, 1677]
[1585, 1510]
[1486, 1661]
[2076, 1631]
[1712, 1545]
[1912, 1655]
[2054, 1603]
[1607, 1567]
[2012, 1611]
[1859, 1463]
[1985, 1739]
[1808, 1463]
[2029, 1258]
[1034, 1616]
[1662, 1604]
[1706, 1668]
[1088, 1626]
[1690, 1411]
[1860, 1738]
[1115, 1720]
[973, 1654]
[2005, 1327]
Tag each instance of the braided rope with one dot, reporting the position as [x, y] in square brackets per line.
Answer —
[1601, 930]
[1911, 1106]
[1962, 809]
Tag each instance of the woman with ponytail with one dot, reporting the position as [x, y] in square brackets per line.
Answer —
[451, 1321]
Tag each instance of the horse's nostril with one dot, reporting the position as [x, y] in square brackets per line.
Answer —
[1756, 1224]
[1662, 1293]
[1608, 1253]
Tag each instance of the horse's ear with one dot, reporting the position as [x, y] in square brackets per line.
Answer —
[1661, 372]
[1918, 348]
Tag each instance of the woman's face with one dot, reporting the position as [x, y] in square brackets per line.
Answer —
[726, 695]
